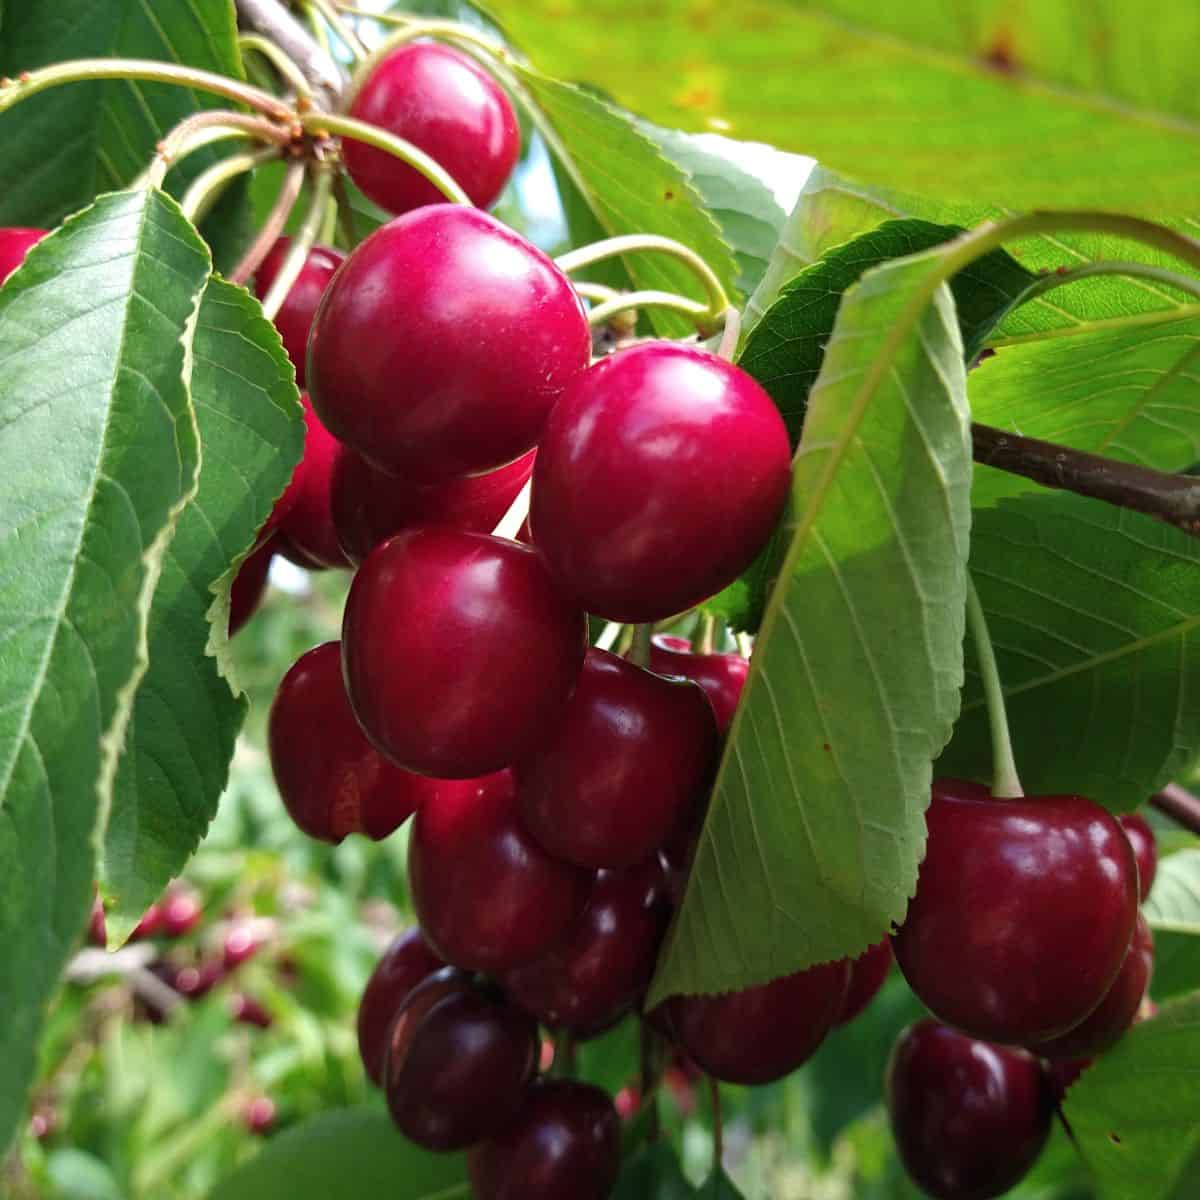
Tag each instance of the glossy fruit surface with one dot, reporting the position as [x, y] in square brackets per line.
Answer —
[969, 1118]
[249, 584]
[181, 912]
[639, 504]
[332, 780]
[14, 245]
[1145, 849]
[443, 102]
[306, 524]
[486, 894]
[369, 506]
[761, 1033]
[565, 1144]
[623, 769]
[1023, 912]
[295, 316]
[442, 344]
[459, 651]
[867, 975]
[722, 676]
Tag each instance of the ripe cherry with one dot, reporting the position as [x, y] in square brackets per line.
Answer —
[761, 1033]
[868, 973]
[243, 940]
[442, 344]
[97, 930]
[565, 1144]
[1022, 915]
[332, 780]
[639, 504]
[259, 1115]
[181, 912]
[1145, 849]
[249, 584]
[623, 769]
[295, 316]
[14, 245]
[149, 926]
[488, 897]
[969, 1118]
[722, 676]
[459, 651]
[246, 1010]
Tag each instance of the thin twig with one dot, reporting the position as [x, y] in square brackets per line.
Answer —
[273, 226]
[272, 20]
[1180, 805]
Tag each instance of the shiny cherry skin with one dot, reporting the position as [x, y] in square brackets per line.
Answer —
[1022, 915]
[761, 1033]
[868, 972]
[722, 676]
[295, 316]
[486, 894]
[442, 344]
[1145, 849]
[639, 503]
[181, 912]
[407, 962]
[598, 971]
[306, 525]
[969, 1118]
[1102, 1028]
[369, 506]
[331, 779]
[459, 651]
[623, 769]
[565, 1144]
[249, 584]
[14, 245]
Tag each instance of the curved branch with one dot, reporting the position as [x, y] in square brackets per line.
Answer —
[274, 21]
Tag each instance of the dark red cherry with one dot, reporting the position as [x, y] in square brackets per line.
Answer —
[596, 973]
[969, 1118]
[1023, 912]
[1063, 1072]
[641, 504]
[405, 963]
[370, 506]
[295, 316]
[446, 104]
[97, 930]
[442, 344]
[14, 245]
[246, 1010]
[623, 769]
[1145, 849]
[249, 584]
[1103, 1026]
[332, 780]
[488, 897]
[722, 676]
[867, 975]
[149, 926]
[194, 981]
[761, 1033]
[181, 912]
[459, 651]
[565, 1144]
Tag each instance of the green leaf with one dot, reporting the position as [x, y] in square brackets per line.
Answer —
[1094, 612]
[346, 1155]
[1174, 902]
[815, 828]
[653, 1173]
[63, 147]
[98, 454]
[1176, 965]
[186, 716]
[1136, 1112]
[718, 1186]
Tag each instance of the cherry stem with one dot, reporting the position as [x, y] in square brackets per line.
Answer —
[273, 226]
[510, 524]
[745, 644]
[620, 302]
[302, 243]
[718, 1132]
[599, 292]
[730, 334]
[608, 635]
[706, 633]
[1005, 782]
[204, 128]
[207, 187]
[1065, 275]
[563, 1066]
[1180, 805]
[282, 63]
[639, 648]
[333, 19]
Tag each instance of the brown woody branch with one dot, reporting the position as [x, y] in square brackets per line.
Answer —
[1180, 805]
[272, 19]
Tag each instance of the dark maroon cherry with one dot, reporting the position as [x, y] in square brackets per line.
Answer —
[246, 1010]
[405, 963]
[1063, 1072]
[370, 506]
[722, 676]
[565, 1144]
[295, 316]
[1023, 912]
[459, 651]
[14, 245]
[149, 926]
[97, 930]
[761, 1033]
[332, 780]
[196, 980]
[442, 344]
[1145, 849]
[1103, 1026]
[969, 1118]
[306, 525]
[867, 975]
[249, 584]
[181, 912]
[597, 972]
[443, 102]
[623, 769]
[639, 504]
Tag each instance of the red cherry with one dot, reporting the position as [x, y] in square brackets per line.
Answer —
[1145, 849]
[565, 1144]
[969, 1118]
[867, 975]
[249, 584]
[761, 1033]
[149, 926]
[623, 769]
[97, 932]
[442, 344]
[196, 981]
[639, 505]
[295, 316]
[443, 102]
[242, 942]
[486, 895]
[14, 245]
[181, 912]
[245, 1010]
[1061, 1073]
[1023, 912]
[458, 650]
[722, 676]
[370, 506]
[259, 1115]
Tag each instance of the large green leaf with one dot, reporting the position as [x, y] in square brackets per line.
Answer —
[63, 147]
[815, 830]
[186, 717]
[1174, 903]
[98, 454]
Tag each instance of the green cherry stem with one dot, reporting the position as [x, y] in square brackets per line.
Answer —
[302, 243]
[203, 129]
[510, 524]
[730, 334]
[207, 187]
[1057, 279]
[1005, 782]
[273, 226]
[597, 292]
[333, 19]
[706, 633]
[282, 63]
[639, 649]
[604, 312]
[718, 1132]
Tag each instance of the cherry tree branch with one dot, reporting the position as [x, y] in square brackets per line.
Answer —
[1180, 805]
[273, 20]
